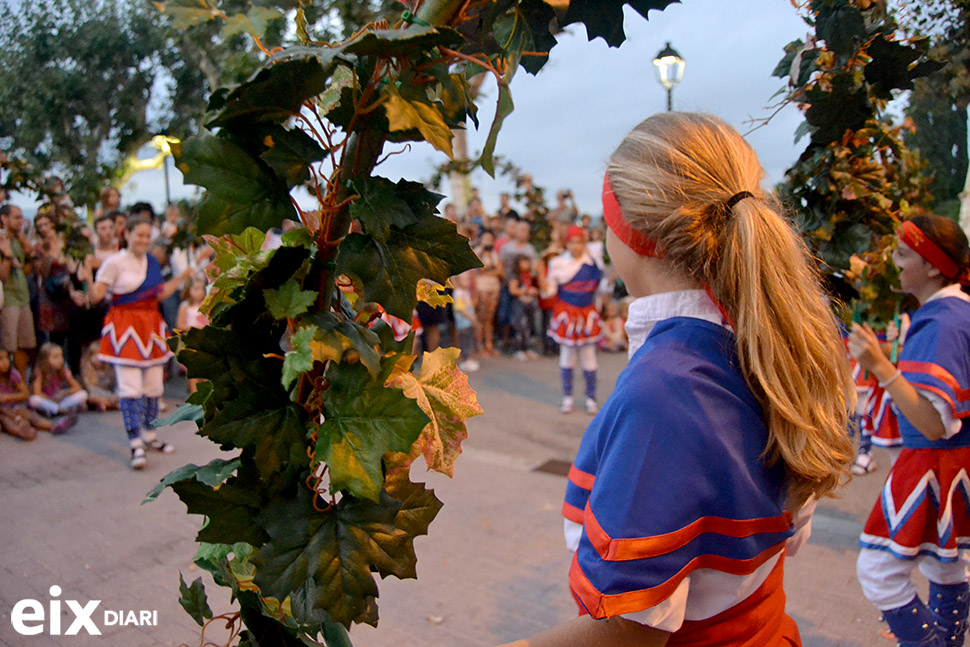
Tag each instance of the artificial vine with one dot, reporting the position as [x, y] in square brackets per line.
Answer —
[322, 408]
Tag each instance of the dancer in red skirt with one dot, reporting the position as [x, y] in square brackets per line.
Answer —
[922, 518]
[575, 323]
[133, 336]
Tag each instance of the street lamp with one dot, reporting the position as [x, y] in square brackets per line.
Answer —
[163, 143]
[670, 70]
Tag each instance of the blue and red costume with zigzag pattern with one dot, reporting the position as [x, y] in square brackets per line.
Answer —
[134, 331]
[924, 507]
[575, 320]
[669, 479]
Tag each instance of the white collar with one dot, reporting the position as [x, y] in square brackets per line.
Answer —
[952, 290]
[646, 312]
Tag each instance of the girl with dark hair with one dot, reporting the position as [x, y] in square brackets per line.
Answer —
[922, 518]
[133, 337]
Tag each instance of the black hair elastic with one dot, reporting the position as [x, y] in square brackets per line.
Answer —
[738, 197]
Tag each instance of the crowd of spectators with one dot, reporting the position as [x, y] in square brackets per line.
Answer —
[503, 308]
[50, 326]
[50, 365]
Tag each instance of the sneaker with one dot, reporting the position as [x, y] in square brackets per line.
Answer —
[567, 405]
[521, 355]
[160, 446]
[137, 458]
[65, 423]
[469, 366]
[591, 406]
[863, 464]
[531, 354]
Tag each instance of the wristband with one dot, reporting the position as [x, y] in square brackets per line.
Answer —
[891, 380]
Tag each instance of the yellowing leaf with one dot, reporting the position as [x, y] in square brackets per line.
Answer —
[430, 292]
[406, 115]
[442, 392]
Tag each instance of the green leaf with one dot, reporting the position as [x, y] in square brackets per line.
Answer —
[276, 436]
[391, 43]
[841, 26]
[325, 561]
[194, 601]
[290, 154]
[185, 412]
[300, 358]
[254, 22]
[364, 421]
[845, 107]
[604, 18]
[273, 95]
[290, 301]
[212, 473]
[380, 206]
[336, 335]
[502, 110]
[426, 118]
[188, 13]
[236, 257]
[390, 271]
[230, 510]
[240, 193]
[539, 16]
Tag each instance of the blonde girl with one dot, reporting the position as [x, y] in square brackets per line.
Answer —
[690, 483]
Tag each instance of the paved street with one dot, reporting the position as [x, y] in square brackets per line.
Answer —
[493, 568]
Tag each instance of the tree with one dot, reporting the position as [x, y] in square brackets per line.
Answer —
[947, 23]
[76, 81]
[940, 136]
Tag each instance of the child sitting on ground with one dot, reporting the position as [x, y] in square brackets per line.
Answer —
[614, 335]
[98, 379]
[15, 418]
[55, 390]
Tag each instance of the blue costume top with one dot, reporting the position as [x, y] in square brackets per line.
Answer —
[936, 358]
[670, 478]
[580, 290]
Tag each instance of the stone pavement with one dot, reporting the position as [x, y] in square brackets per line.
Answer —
[493, 568]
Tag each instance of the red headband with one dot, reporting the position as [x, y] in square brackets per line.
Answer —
[575, 231]
[914, 237]
[613, 215]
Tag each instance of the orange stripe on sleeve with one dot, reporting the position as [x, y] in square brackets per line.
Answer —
[940, 373]
[606, 606]
[626, 549]
[581, 479]
[572, 513]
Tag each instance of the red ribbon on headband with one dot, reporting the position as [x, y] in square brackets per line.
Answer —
[613, 215]
[914, 237]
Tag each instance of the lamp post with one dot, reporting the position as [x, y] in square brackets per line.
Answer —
[669, 67]
[163, 144]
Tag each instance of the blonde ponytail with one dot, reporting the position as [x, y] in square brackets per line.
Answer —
[673, 176]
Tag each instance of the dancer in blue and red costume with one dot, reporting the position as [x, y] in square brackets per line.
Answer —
[697, 475]
[922, 517]
[133, 336]
[575, 323]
